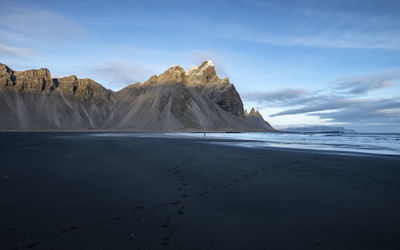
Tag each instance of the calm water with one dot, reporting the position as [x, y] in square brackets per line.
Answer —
[358, 142]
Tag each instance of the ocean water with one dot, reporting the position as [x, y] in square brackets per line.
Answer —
[386, 144]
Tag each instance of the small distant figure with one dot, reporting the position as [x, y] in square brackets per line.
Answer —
[204, 134]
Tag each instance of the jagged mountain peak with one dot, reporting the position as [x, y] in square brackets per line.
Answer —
[204, 75]
[191, 69]
[206, 64]
[256, 118]
[253, 113]
[175, 74]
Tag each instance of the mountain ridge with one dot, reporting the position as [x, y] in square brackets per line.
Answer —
[318, 129]
[176, 100]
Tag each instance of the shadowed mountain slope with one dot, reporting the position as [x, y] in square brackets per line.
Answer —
[195, 100]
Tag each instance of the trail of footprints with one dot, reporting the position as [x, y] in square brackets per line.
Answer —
[179, 202]
[166, 225]
[182, 196]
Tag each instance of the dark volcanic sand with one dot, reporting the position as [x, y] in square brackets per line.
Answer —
[74, 191]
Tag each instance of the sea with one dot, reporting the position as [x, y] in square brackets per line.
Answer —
[369, 143]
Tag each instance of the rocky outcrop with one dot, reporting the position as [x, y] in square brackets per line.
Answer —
[86, 90]
[195, 100]
[255, 118]
[32, 81]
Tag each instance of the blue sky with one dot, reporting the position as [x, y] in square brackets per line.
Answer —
[299, 62]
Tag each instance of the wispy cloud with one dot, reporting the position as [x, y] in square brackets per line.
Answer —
[26, 31]
[381, 111]
[345, 103]
[322, 103]
[14, 51]
[323, 29]
[366, 83]
[279, 96]
[39, 23]
[351, 110]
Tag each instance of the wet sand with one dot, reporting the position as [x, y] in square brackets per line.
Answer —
[75, 191]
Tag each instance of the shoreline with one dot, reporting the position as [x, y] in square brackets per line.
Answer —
[222, 140]
[159, 193]
[143, 131]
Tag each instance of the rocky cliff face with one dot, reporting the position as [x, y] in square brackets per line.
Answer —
[176, 100]
[220, 91]
[30, 81]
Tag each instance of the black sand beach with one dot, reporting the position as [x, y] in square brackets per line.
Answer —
[76, 191]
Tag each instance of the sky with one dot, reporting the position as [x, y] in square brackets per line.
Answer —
[298, 62]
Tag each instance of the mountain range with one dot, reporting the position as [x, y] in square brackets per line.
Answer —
[176, 100]
[318, 129]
